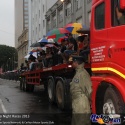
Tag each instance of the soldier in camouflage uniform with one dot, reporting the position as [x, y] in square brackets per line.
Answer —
[80, 89]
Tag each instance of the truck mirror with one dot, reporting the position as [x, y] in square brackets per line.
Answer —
[122, 4]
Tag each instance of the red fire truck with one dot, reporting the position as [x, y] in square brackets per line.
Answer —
[107, 56]
[107, 68]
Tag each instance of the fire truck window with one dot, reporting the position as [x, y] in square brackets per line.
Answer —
[100, 16]
[118, 16]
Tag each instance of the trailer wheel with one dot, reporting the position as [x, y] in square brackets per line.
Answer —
[24, 84]
[23, 88]
[31, 87]
[51, 90]
[113, 103]
[60, 94]
[27, 87]
[45, 85]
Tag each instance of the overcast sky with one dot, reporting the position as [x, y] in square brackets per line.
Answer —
[7, 22]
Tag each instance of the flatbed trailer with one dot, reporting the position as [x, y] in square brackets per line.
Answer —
[56, 81]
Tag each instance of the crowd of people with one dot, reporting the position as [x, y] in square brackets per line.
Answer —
[61, 53]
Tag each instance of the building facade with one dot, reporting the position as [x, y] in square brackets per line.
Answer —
[22, 47]
[21, 29]
[37, 20]
[18, 20]
[69, 11]
[25, 14]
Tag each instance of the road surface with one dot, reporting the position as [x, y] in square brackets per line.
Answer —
[36, 104]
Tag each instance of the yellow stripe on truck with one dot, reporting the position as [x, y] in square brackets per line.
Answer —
[109, 69]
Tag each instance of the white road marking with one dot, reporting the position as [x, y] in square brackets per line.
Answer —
[3, 107]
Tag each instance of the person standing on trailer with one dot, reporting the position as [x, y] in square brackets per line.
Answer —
[80, 89]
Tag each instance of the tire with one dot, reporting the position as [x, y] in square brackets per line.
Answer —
[51, 90]
[113, 102]
[63, 98]
[45, 86]
[24, 85]
[31, 88]
[27, 87]
[60, 97]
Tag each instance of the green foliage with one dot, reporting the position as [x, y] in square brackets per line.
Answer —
[8, 56]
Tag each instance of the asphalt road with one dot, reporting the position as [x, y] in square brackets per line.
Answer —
[34, 105]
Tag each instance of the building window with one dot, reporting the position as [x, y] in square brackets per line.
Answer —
[25, 17]
[68, 10]
[25, 8]
[54, 23]
[78, 4]
[26, 21]
[26, 13]
[100, 16]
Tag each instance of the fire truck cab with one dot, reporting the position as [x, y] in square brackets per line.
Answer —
[108, 56]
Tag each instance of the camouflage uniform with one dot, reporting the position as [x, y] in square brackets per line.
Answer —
[80, 89]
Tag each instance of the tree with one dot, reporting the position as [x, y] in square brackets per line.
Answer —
[8, 57]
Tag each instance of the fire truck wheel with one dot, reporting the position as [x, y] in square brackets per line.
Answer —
[113, 102]
[51, 90]
[60, 94]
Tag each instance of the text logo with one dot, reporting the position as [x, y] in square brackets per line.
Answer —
[105, 119]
